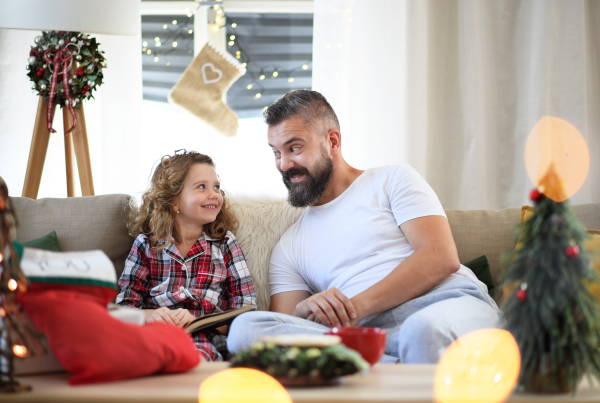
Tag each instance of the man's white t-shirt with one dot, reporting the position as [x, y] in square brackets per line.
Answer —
[355, 240]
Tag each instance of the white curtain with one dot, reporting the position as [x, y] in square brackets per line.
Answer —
[454, 87]
[112, 119]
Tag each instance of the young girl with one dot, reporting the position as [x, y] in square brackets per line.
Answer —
[185, 262]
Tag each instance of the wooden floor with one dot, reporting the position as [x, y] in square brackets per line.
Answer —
[384, 383]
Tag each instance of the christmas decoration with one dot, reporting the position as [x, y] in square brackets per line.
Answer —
[572, 251]
[53, 70]
[552, 315]
[301, 365]
[522, 293]
[535, 195]
[17, 337]
[182, 29]
[201, 88]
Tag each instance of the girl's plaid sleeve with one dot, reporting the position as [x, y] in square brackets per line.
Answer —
[134, 279]
[239, 286]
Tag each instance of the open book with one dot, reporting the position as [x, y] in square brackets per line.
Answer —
[217, 319]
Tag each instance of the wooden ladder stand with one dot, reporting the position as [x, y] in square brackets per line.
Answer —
[77, 139]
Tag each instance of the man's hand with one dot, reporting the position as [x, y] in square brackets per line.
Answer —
[162, 314]
[329, 307]
[184, 316]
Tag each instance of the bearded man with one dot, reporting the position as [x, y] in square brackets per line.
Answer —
[373, 247]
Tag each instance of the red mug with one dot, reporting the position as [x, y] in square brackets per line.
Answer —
[368, 341]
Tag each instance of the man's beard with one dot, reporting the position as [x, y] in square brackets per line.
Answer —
[310, 189]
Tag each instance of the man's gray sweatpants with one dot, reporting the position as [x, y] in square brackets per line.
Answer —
[418, 331]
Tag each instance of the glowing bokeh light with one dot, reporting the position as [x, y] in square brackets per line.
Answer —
[12, 284]
[20, 351]
[242, 385]
[556, 153]
[481, 366]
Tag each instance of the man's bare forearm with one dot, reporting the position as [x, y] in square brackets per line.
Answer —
[420, 272]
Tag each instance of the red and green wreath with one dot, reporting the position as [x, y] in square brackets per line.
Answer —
[56, 52]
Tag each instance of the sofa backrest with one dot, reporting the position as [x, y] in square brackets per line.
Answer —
[81, 223]
[492, 233]
[98, 222]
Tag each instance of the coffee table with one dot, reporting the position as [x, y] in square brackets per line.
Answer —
[384, 383]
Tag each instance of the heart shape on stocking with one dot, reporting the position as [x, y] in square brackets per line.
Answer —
[214, 69]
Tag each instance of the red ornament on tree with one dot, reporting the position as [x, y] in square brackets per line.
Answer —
[572, 251]
[522, 295]
[535, 195]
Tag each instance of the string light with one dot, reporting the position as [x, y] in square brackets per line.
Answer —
[233, 25]
[20, 351]
[158, 44]
[275, 73]
[249, 86]
[220, 11]
[168, 63]
[174, 22]
[291, 80]
[149, 51]
[191, 31]
[258, 95]
[231, 43]
[165, 26]
[2, 312]
[175, 44]
[157, 39]
[305, 66]
[262, 77]
[12, 284]
[145, 44]
[232, 37]
[189, 14]
[156, 58]
[143, 49]
[1, 257]
[244, 64]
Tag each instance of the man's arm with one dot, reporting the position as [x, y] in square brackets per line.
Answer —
[285, 302]
[329, 307]
[435, 258]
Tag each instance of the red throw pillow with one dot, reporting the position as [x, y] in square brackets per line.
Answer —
[94, 347]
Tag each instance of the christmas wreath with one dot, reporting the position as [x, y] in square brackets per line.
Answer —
[58, 52]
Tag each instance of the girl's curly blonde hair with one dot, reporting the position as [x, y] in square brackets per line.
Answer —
[156, 219]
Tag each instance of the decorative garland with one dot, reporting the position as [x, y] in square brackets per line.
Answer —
[76, 47]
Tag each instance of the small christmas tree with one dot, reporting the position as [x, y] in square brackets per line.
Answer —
[551, 313]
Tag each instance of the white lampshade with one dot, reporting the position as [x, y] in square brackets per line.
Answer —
[116, 17]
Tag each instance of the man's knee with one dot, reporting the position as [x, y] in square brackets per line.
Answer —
[423, 339]
[244, 330]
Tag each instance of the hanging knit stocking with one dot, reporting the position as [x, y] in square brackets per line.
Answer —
[201, 88]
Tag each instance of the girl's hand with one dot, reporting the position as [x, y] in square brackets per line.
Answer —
[162, 314]
[184, 316]
[223, 330]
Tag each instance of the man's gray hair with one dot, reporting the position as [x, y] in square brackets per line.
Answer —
[308, 105]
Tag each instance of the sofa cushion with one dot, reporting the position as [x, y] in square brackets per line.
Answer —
[81, 223]
[47, 242]
[481, 268]
[492, 233]
[262, 223]
[484, 232]
[95, 347]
